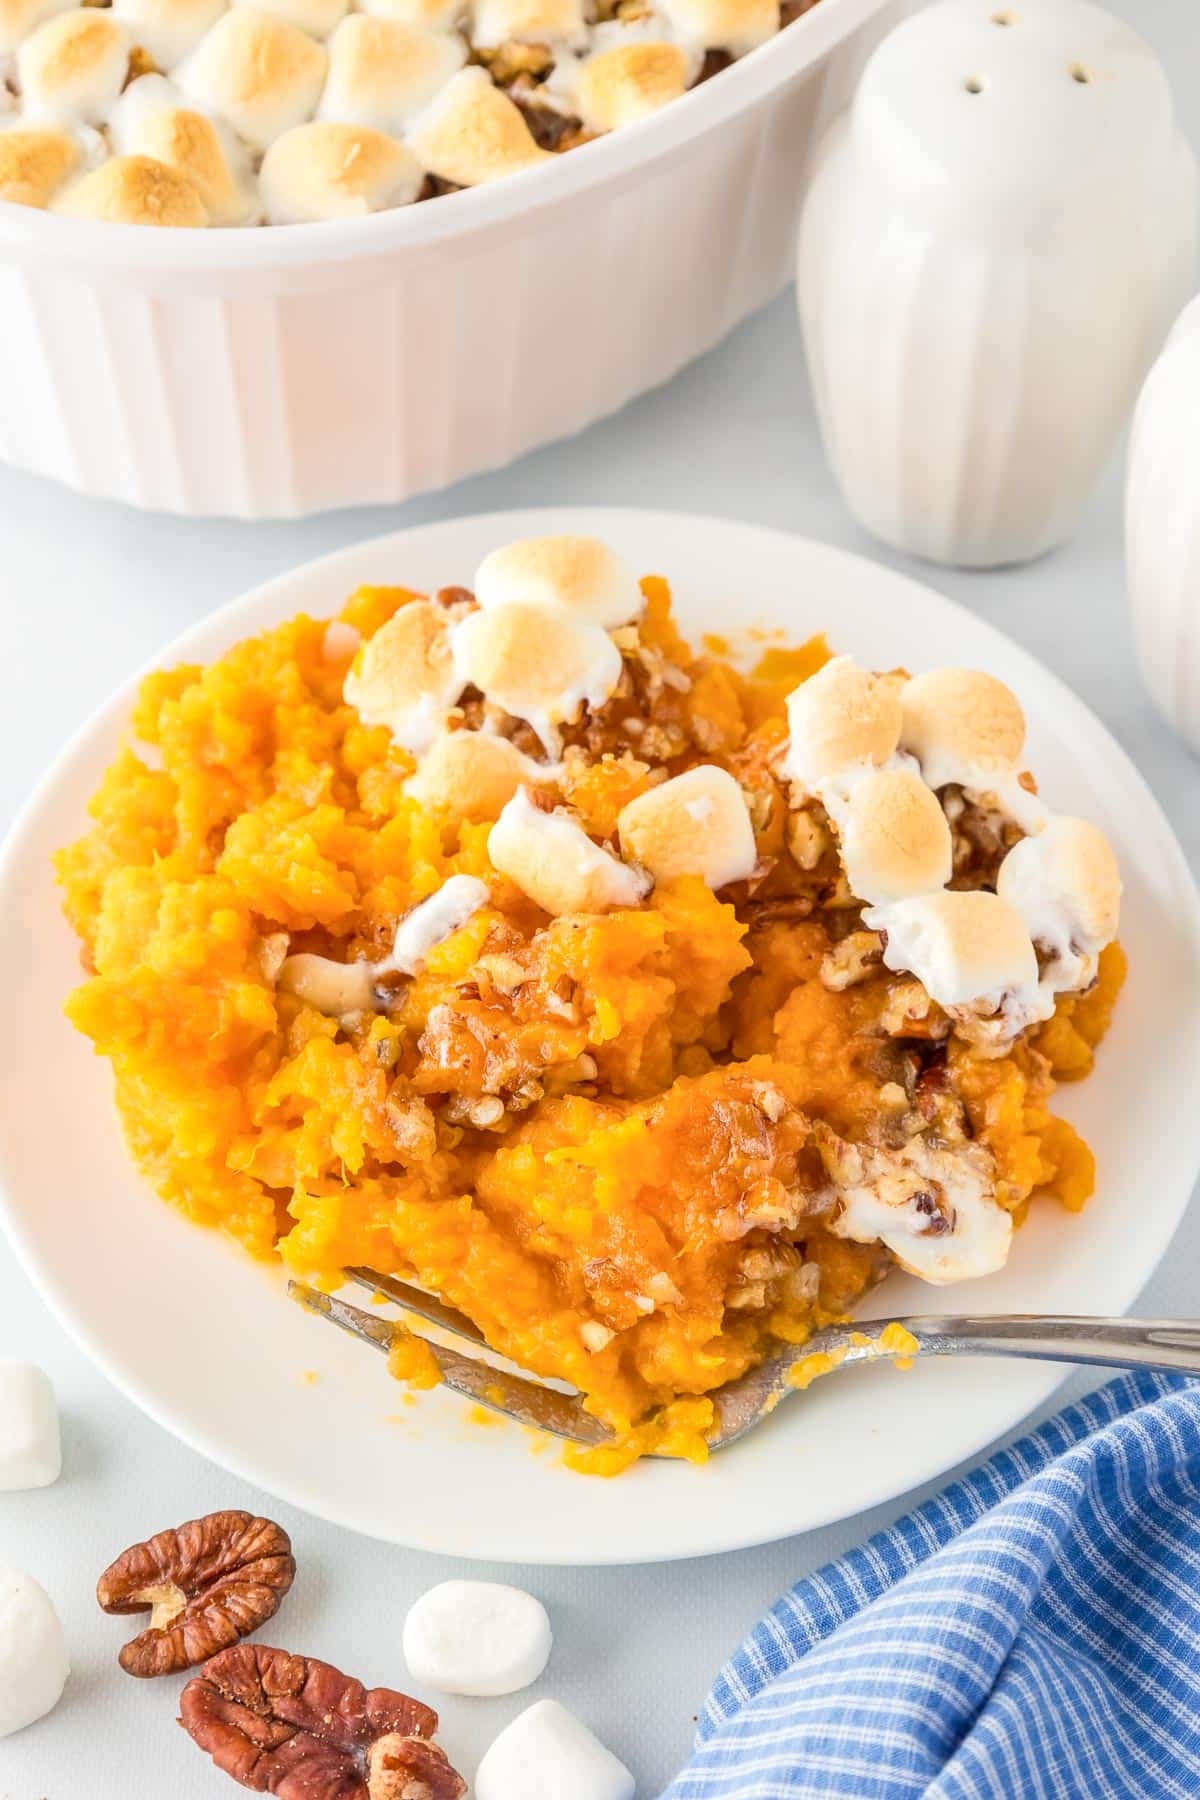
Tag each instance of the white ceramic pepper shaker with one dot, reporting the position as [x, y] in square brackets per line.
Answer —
[998, 233]
[1162, 528]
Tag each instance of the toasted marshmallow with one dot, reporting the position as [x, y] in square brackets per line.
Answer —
[437, 918]
[895, 841]
[317, 17]
[134, 190]
[551, 858]
[149, 120]
[1066, 886]
[620, 86]
[328, 171]
[472, 775]
[966, 949]
[536, 663]
[841, 720]
[934, 1209]
[168, 29]
[554, 22]
[19, 17]
[383, 73]
[334, 988]
[733, 25]
[261, 74]
[694, 824]
[73, 67]
[438, 15]
[579, 574]
[962, 726]
[473, 133]
[404, 677]
[35, 164]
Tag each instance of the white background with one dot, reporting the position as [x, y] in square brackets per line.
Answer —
[90, 591]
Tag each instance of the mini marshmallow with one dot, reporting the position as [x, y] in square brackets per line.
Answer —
[438, 15]
[694, 824]
[34, 165]
[472, 775]
[405, 678]
[437, 918]
[477, 1637]
[383, 72]
[554, 22]
[149, 120]
[548, 1754]
[317, 17]
[19, 17]
[536, 663]
[620, 86]
[73, 67]
[935, 1211]
[33, 1652]
[328, 171]
[260, 73]
[895, 841]
[964, 948]
[334, 988]
[551, 859]
[168, 29]
[1066, 886]
[737, 26]
[134, 190]
[962, 726]
[30, 1449]
[841, 719]
[579, 574]
[472, 132]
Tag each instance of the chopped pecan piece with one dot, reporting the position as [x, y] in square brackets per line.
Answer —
[205, 1585]
[301, 1730]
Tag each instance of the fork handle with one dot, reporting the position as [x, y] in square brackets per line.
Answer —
[1170, 1345]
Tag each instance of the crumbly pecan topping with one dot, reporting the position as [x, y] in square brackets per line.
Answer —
[301, 1730]
[205, 1584]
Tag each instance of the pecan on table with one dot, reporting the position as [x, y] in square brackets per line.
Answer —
[205, 1585]
[301, 1730]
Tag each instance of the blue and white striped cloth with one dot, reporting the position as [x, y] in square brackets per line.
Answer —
[1032, 1633]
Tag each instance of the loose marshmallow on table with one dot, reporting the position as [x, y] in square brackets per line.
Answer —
[579, 574]
[477, 1637]
[694, 824]
[549, 1754]
[30, 1450]
[33, 1652]
[551, 858]
[404, 677]
[537, 663]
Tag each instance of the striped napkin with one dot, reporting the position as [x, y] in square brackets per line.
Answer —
[1033, 1631]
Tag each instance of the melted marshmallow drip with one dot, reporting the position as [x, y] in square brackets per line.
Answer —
[891, 1206]
[436, 919]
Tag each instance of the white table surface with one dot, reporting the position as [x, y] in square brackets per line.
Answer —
[90, 591]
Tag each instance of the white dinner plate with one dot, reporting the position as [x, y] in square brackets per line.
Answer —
[207, 1343]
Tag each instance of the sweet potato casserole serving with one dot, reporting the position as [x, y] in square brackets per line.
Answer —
[645, 1011]
[280, 112]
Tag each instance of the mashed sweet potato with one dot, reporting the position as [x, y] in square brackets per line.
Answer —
[665, 1072]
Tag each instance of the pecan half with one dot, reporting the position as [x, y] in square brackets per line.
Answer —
[205, 1585]
[301, 1730]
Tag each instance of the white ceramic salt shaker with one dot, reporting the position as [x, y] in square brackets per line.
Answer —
[1162, 528]
[998, 233]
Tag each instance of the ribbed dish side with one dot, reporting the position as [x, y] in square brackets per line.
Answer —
[294, 392]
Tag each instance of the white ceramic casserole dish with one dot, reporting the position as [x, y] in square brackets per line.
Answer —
[287, 370]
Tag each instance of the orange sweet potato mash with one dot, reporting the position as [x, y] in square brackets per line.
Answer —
[666, 1072]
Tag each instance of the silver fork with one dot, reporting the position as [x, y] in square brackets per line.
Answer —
[1170, 1345]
